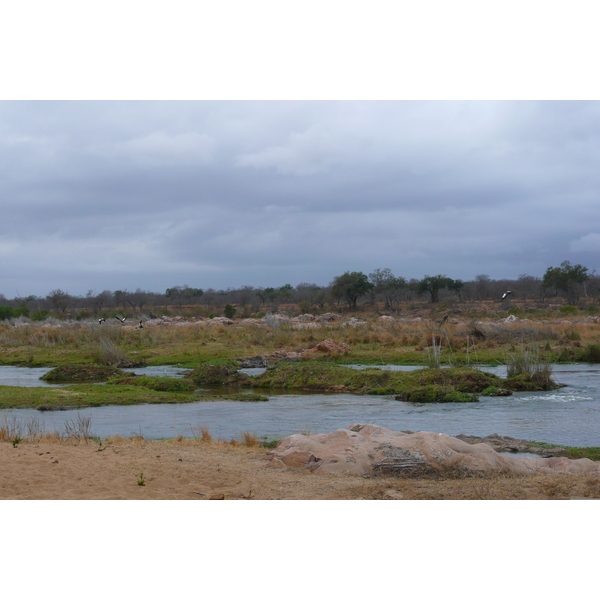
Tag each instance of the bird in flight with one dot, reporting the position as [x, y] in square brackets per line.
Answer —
[505, 295]
[101, 320]
[119, 319]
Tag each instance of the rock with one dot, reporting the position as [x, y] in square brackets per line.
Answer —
[252, 362]
[354, 322]
[308, 325]
[510, 319]
[328, 317]
[327, 346]
[306, 317]
[372, 450]
[221, 321]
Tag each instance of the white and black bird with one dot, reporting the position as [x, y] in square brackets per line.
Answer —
[505, 295]
[119, 319]
[101, 320]
[140, 325]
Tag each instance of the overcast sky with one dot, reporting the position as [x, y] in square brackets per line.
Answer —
[123, 194]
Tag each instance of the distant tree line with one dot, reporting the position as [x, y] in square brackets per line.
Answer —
[350, 289]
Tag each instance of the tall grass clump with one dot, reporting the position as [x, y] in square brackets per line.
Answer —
[527, 370]
[106, 352]
[79, 429]
[590, 354]
[202, 433]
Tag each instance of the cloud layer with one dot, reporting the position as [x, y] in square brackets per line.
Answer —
[113, 195]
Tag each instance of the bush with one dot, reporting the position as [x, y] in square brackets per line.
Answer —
[568, 309]
[229, 311]
[39, 315]
[6, 312]
[526, 371]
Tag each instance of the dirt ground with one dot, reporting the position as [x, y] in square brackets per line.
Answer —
[137, 469]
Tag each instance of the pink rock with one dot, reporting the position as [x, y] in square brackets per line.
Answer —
[369, 450]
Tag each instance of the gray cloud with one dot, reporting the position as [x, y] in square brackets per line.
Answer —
[108, 195]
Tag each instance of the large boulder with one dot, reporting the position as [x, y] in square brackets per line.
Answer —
[373, 450]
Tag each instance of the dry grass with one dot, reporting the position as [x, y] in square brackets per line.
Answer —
[411, 330]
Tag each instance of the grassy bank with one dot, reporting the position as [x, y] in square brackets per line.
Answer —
[464, 340]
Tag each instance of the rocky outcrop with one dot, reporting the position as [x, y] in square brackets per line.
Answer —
[327, 346]
[372, 450]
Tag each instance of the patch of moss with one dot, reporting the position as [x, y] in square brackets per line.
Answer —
[77, 373]
[217, 374]
[242, 397]
[495, 391]
[435, 393]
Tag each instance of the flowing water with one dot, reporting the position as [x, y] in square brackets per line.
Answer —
[569, 415]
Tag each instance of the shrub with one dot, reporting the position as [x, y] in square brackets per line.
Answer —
[229, 311]
[591, 354]
[6, 312]
[526, 371]
[568, 309]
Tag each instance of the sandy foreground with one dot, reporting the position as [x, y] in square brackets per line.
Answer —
[196, 470]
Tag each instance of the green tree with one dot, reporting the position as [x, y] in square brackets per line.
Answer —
[456, 286]
[351, 286]
[285, 291]
[387, 285]
[267, 294]
[432, 286]
[567, 278]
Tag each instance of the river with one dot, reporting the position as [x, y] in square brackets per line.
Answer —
[569, 416]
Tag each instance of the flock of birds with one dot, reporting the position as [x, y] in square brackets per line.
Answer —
[101, 320]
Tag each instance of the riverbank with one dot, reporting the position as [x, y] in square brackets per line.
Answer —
[193, 469]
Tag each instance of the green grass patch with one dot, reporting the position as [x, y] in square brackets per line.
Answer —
[158, 384]
[436, 393]
[447, 385]
[573, 452]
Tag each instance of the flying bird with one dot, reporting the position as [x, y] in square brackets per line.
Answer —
[504, 295]
[101, 320]
[119, 319]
